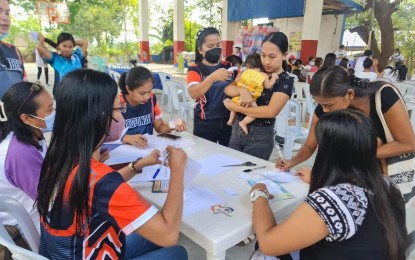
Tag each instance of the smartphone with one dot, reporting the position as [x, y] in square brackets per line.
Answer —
[169, 136]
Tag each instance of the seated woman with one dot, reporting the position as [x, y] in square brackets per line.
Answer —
[334, 89]
[87, 209]
[27, 111]
[351, 211]
[143, 111]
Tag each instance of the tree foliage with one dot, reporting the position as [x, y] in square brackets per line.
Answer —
[382, 43]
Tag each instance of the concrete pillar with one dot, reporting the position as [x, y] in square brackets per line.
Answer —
[311, 28]
[178, 28]
[144, 41]
[229, 31]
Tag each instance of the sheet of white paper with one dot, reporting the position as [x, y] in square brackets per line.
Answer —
[199, 198]
[280, 176]
[127, 153]
[212, 165]
[190, 172]
[249, 176]
[230, 192]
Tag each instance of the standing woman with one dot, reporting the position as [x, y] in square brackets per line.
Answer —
[11, 63]
[206, 81]
[259, 142]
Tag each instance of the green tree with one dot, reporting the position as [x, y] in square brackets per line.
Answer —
[190, 31]
[382, 11]
[211, 12]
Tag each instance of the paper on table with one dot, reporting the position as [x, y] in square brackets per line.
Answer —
[273, 188]
[199, 198]
[250, 176]
[230, 192]
[114, 144]
[190, 172]
[127, 153]
[212, 165]
[280, 176]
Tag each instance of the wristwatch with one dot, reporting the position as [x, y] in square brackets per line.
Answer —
[257, 193]
[132, 167]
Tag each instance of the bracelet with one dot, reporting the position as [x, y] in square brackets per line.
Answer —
[132, 167]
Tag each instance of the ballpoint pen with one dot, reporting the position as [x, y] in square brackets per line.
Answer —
[279, 153]
[161, 165]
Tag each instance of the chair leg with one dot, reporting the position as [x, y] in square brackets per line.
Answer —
[288, 146]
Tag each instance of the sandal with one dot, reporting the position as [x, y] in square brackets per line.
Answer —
[247, 240]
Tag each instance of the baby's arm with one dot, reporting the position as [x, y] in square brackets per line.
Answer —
[268, 83]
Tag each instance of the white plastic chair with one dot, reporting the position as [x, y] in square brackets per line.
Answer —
[309, 104]
[290, 133]
[164, 78]
[183, 107]
[26, 226]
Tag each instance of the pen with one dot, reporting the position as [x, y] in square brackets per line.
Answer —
[279, 153]
[161, 165]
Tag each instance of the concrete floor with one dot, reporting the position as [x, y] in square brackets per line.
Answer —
[194, 251]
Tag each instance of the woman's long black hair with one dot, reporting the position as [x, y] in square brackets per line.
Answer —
[347, 146]
[84, 110]
[335, 81]
[63, 36]
[12, 101]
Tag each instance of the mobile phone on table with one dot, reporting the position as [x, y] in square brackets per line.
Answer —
[169, 136]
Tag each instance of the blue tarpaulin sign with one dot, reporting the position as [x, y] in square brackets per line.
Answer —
[249, 9]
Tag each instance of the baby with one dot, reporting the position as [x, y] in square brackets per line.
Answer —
[255, 80]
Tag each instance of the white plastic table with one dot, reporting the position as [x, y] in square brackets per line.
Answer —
[218, 232]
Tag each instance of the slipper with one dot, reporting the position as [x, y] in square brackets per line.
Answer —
[247, 241]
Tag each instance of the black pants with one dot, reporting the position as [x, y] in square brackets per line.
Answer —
[214, 130]
[39, 73]
[259, 141]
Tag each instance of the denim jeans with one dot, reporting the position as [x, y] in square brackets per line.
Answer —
[259, 141]
[214, 130]
[140, 248]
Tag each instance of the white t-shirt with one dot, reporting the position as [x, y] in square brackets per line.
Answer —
[358, 67]
[340, 54]
[397, 58]
[372, 76]
[390, 74]
[39, 60]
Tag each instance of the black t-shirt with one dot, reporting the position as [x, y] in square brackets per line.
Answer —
[284, 84]
[388, 98]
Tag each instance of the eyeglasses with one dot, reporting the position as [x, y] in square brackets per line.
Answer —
[122, 108]
[34, 88]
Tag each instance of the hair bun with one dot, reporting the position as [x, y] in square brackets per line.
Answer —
[359, 82]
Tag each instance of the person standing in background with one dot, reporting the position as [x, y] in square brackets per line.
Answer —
[11, 63]
[341, 52]
[41, 64]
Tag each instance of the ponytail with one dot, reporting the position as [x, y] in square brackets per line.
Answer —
[51, 43]
[122, 84]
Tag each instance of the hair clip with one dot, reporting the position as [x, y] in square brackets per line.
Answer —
[3, 117]
[360, 82]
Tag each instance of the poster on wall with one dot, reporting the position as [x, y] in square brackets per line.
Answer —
[250, 38]
[295, 44]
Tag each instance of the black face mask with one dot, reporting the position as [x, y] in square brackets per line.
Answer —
[213, 55]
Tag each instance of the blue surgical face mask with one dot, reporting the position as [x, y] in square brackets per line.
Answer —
[49, 121]
[2, 36]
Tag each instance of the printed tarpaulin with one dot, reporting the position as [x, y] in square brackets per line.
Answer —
[248, 9]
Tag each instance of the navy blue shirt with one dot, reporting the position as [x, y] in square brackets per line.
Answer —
[140, 119]
[210, 105]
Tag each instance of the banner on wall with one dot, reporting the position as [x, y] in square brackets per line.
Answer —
[250, 38]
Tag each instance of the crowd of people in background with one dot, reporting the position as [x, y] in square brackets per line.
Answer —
[237, 101]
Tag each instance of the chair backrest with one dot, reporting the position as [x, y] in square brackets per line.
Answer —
[172, 86]
[18, 253]
[281, 124]
[164, 78]
[309, 102]
[16, 210]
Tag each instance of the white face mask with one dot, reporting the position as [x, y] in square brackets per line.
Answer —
[312, 63]
[396, 54]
